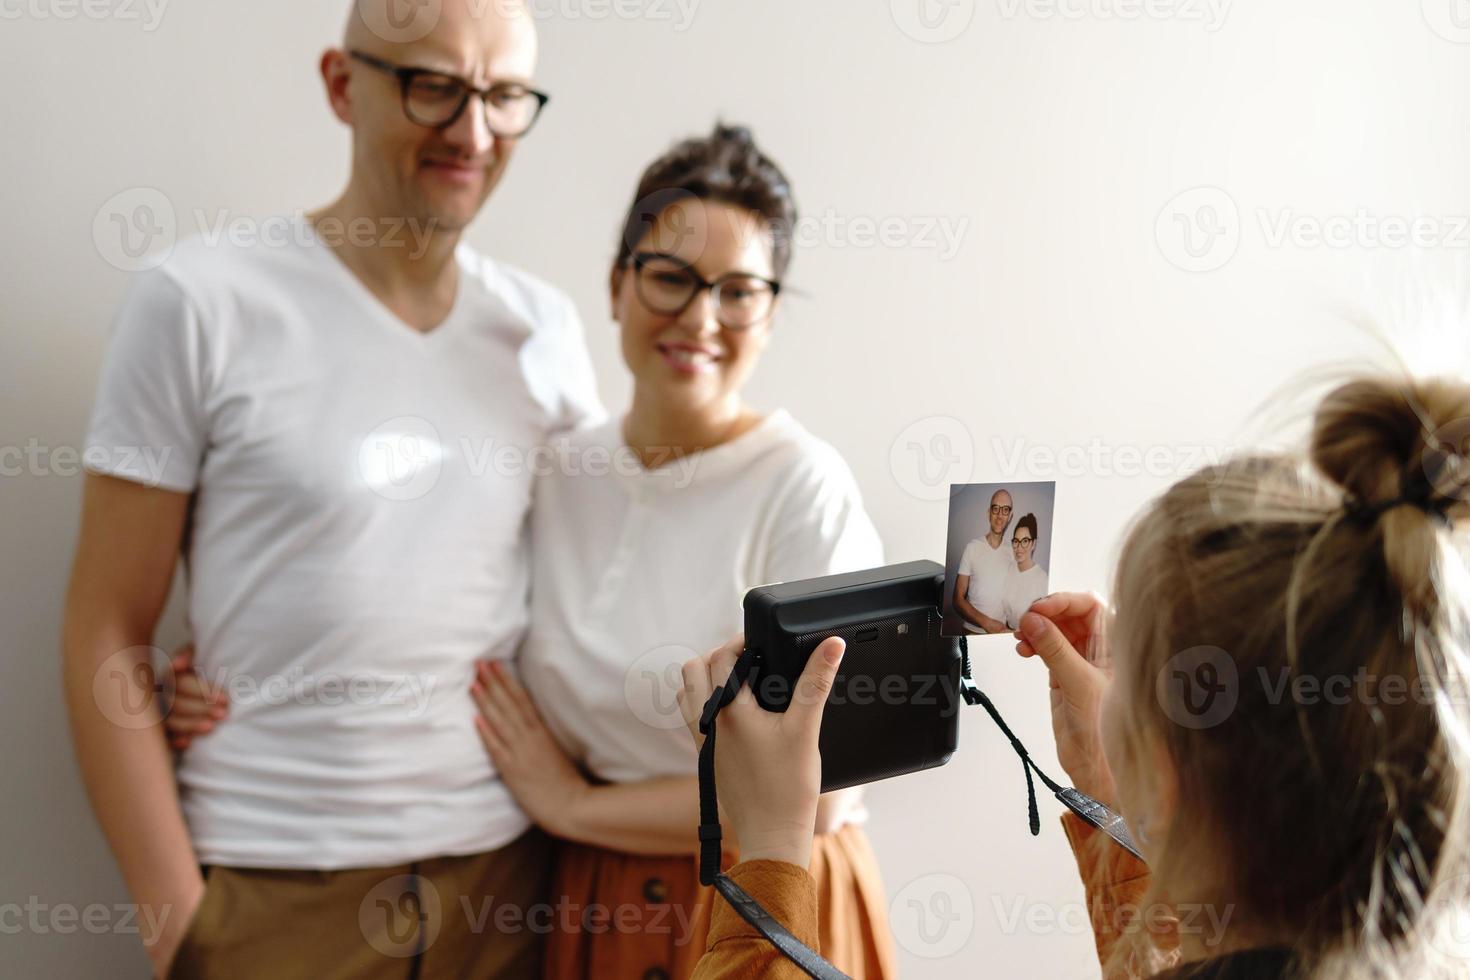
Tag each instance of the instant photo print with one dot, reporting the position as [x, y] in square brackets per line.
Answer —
[997, 555]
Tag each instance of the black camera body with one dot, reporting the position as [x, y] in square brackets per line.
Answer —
[894, 707]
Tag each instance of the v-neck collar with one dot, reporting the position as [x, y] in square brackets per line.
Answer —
[381, 313]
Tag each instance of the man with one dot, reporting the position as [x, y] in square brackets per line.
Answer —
[332, 413]
[986, 563]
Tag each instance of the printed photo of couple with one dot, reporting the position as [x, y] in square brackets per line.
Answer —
[997, 556]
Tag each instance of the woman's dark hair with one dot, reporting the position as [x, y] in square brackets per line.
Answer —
[725, 167]
[1028, 521]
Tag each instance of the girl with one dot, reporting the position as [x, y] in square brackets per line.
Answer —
[1284, 723]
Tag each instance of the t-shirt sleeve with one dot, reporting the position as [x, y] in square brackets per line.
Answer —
[149, 423]
[967, 560]
[580, 404]
[822, 527]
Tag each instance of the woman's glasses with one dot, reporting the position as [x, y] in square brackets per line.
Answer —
[667, 286]
[437, 100]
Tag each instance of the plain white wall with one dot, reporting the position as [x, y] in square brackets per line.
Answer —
[1072, 331]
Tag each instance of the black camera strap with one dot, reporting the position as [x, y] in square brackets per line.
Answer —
[752, 912]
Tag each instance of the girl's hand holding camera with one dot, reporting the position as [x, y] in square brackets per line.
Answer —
[767, 765]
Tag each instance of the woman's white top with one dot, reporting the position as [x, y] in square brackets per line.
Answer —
[1022, 589]
[635, 571]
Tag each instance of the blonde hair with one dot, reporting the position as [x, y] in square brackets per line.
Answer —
[1333, 825]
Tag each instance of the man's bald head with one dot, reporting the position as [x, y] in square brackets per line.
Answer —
[471, 35]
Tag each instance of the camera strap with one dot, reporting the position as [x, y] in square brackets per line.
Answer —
[752, 912]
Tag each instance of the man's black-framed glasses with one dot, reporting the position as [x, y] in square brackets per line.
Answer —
[667, 286]
[437, 99]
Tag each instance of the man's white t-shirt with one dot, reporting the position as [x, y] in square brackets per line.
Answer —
[1021, 590]
[357, 537]
[635, 571]
[988, 569]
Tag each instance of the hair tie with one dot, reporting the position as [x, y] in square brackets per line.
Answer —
[1367, 515]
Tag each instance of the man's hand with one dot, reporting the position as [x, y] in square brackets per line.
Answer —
[198, 706]
[767, 765]
[163, 929]
[1055, 629]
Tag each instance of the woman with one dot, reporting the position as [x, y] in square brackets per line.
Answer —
[641, 562]
[646, 532]
[1026, 580]
[1333, 827]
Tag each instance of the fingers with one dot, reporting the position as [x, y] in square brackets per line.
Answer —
[1066, 665]
[700, 675]
[1080, 616]
[502, 685]
[722, 660]
[1065, 605]
[493, 741]
[815, 683]
[183, 659]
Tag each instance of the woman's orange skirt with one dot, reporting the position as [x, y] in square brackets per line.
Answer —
[646, 918]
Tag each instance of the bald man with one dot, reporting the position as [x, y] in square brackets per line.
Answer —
[332, 414]
[985, 566]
